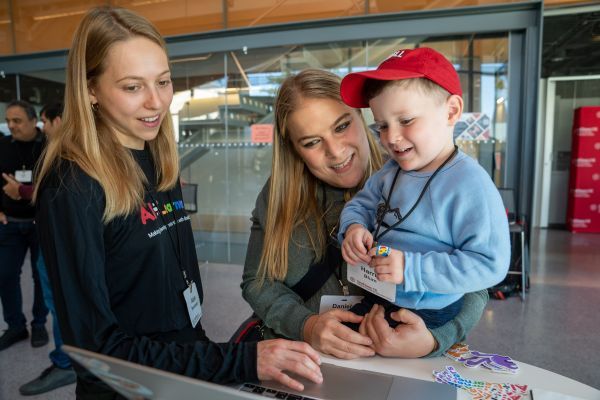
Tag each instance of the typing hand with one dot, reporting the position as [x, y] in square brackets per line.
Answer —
[3, 219]
[273, 357]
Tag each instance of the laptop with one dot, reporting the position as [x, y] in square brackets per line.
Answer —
[138, 382]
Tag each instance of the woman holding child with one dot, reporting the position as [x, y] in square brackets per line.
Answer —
[322, 155]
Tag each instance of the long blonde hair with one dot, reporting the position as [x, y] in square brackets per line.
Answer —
[86, 137]
[293, 188]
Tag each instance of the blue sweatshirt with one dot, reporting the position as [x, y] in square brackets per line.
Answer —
[456, 240]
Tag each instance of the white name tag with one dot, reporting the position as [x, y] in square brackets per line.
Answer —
[331, 302]
[364, 277]
[24, 175]
[193, 304]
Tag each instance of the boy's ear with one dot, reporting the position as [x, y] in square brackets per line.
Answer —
[454, 105]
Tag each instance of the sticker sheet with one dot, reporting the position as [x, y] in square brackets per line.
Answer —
[481, 390]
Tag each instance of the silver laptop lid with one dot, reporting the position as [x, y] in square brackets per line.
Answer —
[135, 381]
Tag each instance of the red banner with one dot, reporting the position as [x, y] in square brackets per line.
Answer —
[583, 212]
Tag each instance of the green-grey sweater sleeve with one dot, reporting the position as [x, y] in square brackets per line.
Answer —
[274, 302]
[456, 330]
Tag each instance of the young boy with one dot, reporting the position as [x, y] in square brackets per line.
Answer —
[435, 208]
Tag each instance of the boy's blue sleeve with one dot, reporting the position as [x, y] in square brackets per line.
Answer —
[480, 259]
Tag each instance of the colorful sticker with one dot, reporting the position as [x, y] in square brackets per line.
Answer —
[382, 251]
[480, 390]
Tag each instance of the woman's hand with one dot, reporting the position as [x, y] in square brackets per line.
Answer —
[410, 339]
[327, 334]
[273, 357]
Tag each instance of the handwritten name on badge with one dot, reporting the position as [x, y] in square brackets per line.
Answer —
[364, 277]
[333, 302]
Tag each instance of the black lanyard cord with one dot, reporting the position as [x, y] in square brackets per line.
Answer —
[381, 215]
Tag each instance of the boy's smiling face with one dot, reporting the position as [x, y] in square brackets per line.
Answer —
[416, 128]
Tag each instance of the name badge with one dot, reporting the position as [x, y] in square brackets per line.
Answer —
[363, 276]
[331, 302]
[24, 176]
[193, 303]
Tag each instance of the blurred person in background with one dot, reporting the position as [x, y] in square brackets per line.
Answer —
[19, 154]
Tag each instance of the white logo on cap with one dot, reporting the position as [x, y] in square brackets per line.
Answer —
[397, 54]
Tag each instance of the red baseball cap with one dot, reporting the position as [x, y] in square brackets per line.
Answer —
[422, 62]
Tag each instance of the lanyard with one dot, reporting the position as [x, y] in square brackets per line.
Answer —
[383, 209]
[329, 236]
[176, 249]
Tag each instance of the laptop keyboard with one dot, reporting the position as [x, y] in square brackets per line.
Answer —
[271, 393]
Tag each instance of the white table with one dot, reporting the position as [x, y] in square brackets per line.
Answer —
[423, 368]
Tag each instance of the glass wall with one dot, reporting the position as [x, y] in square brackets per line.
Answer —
[223, 114]
[224, 110]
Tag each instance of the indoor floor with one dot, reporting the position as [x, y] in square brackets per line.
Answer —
[554, 328]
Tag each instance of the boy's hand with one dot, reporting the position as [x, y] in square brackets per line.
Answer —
[357, 242]
[388, 268]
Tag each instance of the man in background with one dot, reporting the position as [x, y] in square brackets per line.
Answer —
[19, 154]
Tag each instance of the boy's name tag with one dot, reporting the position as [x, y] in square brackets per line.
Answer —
[364, 277]
[332, 302]
[193, 303]
[23, 175]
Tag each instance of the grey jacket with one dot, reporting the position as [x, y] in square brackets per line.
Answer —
[284, 312]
